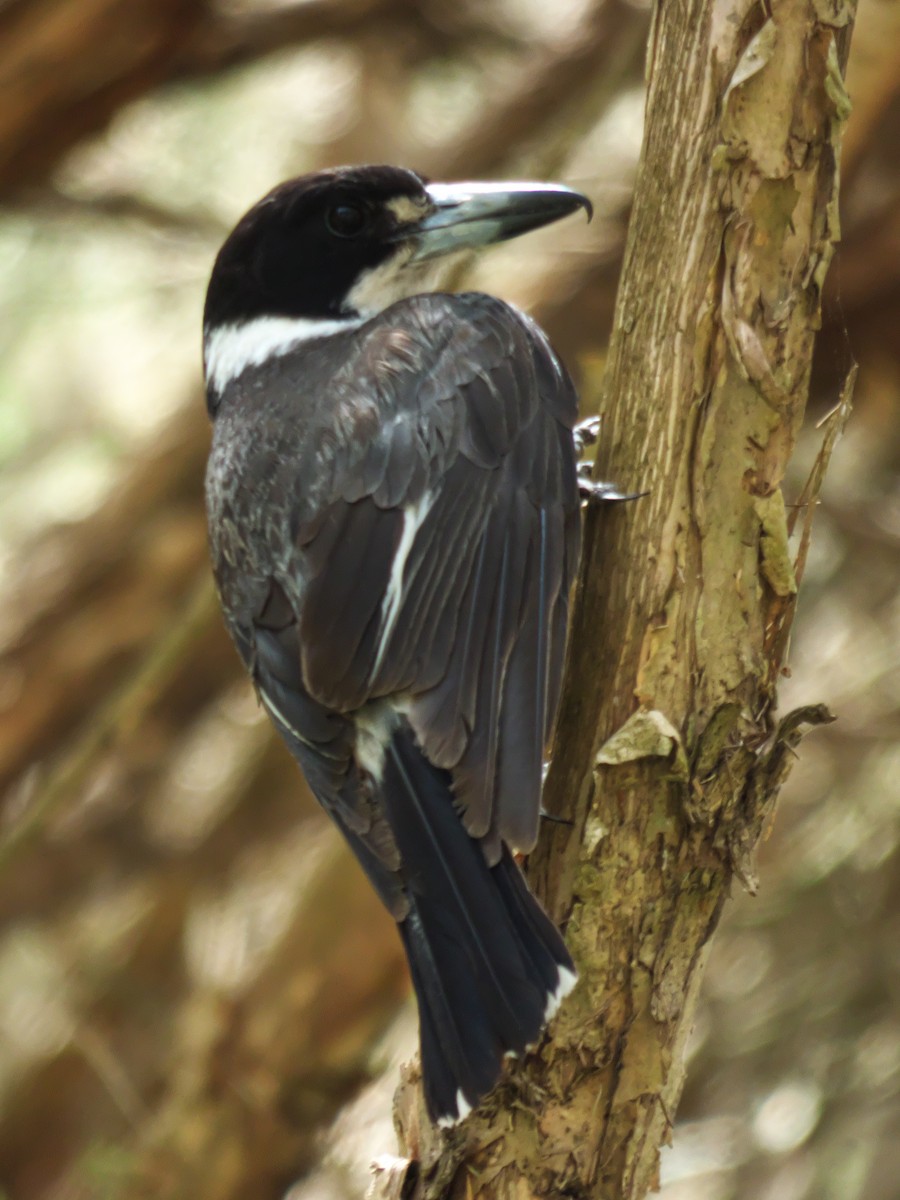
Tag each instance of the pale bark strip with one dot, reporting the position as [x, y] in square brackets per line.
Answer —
[667, 757]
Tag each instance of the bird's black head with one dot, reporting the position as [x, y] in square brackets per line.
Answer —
[348, 241]
[303, 248]
[325, 250]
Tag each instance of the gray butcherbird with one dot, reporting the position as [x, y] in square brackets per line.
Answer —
[394, 518]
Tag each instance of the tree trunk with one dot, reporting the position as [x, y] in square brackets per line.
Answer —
[667, 759]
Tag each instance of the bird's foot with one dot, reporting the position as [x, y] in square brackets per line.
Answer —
[592, 491]
[586, 434]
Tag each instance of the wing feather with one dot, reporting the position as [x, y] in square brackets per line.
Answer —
[466, 628]
[341, 613]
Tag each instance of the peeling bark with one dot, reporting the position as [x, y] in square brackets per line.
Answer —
[667, 758]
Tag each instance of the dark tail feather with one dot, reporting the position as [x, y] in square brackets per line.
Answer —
[488, 965]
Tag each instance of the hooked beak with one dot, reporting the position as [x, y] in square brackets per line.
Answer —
[468, 215]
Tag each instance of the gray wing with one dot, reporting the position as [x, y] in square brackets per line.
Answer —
[433, 569]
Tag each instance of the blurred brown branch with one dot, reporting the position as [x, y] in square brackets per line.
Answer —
[52, 203]
[118, 716]
[323, 1003]
[66, 67]
[123, 571]
[558, 95]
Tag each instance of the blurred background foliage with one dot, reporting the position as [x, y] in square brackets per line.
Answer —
[198, 995]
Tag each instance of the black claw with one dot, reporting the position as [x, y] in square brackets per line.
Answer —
[599, 492]
[556, 820]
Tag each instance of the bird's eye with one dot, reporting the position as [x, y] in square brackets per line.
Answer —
[345, 220]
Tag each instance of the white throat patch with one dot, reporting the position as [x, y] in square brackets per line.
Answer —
[230, 350]
[397, 279]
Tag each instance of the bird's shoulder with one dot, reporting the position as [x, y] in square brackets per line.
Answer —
[382, 412]
[446, 360]
[468, 334]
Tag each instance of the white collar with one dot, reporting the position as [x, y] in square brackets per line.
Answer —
[229, 350]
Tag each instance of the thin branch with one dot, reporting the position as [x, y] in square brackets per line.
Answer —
[53, 203]
[833, 423]
[117, 718]
[236, 38]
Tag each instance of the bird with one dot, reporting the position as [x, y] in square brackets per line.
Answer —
[394, 523]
